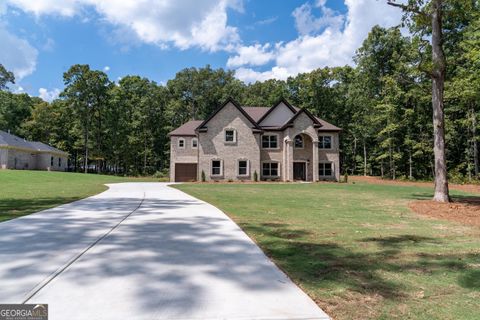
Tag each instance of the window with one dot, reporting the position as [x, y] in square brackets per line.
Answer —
[270, 141]
[216, 167]
[181, 143]
[230, 135]
[194, 143]
[325, 169]
[51, 161]
[270, 169]
[59, 162]
[299, 142]
[242, 167]
[325, 142]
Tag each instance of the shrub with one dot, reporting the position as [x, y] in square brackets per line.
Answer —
[203, 176]
[160, 174]
[255, 176]
[345, 177]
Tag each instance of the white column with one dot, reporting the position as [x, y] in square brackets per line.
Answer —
[289, 163]
[315, 160]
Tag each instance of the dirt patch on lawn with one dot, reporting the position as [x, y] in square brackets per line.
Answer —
[473, 188]
[464, 210]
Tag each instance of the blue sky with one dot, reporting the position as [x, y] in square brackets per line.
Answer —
[259, 39]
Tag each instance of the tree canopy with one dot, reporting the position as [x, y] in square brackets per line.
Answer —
[383, 104]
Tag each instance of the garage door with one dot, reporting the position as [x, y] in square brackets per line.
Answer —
[185, 172]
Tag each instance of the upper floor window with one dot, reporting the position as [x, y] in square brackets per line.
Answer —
[299, 142]
[325, 169]
[242, 167]
[216, 167]
[230, 135]
[270, 141]
[181, 143]
[194, 143]
[325, 142]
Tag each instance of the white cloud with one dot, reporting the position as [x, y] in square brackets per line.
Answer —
[106, 68]
[49, 45]
[48, 95]
[307, 23]
[324, 44]
[183, 23]
[255, 55]
[17, 55]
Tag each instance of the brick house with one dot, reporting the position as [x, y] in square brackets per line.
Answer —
[18, 153]
[281, 143]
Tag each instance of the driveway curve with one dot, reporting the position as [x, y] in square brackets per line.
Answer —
[143, 251]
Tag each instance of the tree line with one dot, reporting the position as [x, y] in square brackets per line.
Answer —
[383, 104]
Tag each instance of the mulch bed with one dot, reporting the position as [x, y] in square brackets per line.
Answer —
[465, 210]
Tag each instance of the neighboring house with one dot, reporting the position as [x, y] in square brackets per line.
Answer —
[279, 143]
[18, 153]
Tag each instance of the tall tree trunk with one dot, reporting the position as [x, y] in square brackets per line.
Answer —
[354, 168]
[475, 143]
[144, 154]
[86, 151]
[410, 165]
[438, 83]
[364, 158]
[381, 168]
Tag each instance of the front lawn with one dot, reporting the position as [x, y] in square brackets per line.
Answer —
[357, 249]
[24, 192]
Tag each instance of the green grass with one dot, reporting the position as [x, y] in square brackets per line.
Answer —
[357, 249]
[25, 192]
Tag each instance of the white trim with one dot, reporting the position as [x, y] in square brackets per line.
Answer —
[178, 143]
[332, 167]
[234, 136]
[278, 169]
[331, 141]
[194, 147]
[270, 134]
[238, 168]
[221, 168]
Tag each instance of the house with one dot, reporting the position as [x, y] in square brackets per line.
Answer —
[18, 153]
[282, 143]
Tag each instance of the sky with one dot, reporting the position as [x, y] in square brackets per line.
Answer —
[259, 39]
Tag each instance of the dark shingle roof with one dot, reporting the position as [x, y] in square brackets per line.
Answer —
[10, 140]
[256, 113]
[187, 129]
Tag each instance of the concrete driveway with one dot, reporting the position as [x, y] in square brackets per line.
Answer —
[143, 251]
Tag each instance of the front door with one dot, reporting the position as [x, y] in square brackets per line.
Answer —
[299, 171]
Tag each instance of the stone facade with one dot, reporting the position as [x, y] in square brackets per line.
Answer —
[213, 146]
[214, 149]
[186, 154]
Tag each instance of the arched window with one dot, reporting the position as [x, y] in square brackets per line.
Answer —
[299, 141]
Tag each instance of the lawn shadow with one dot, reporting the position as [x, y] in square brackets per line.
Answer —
[323, 264]
[470, 279]
[11, 208]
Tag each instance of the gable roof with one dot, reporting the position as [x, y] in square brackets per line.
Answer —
[255, 115]
[10, 140]
[256, 112]
[237, 105]
[285, 102]
[316, 123]
[187, 129]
